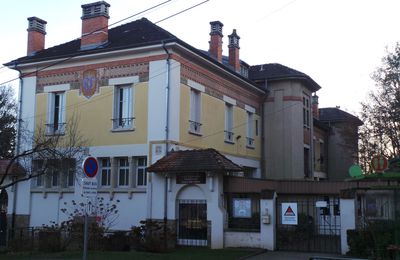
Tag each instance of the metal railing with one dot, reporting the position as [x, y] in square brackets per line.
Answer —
[194, 127]
[123, 123]
[55, 129]
[229, 136]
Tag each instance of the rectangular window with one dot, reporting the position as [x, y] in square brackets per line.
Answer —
[105, 172]
[71, 177]
[306, 111]
[55, 113]
[256, 123]
[229, 123]
[307, 163]
[123, 108]
[55, 181]
[141, 172]
[123, 172]
[321, 156]
[250, 130]
[195, 112]
[38, 170]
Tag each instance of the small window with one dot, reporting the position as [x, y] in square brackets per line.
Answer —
[141, 172]
[123, 172]
[71, 178]
[105, 172]
[55, 113]
[195, 112]
[306, 111]
[250, 130]
[55, 180]
[229, 123]
[38, 170]
[123, 108]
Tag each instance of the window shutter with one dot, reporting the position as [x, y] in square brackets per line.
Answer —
[50, 108]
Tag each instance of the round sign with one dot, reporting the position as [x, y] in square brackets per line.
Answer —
[355, 171]
[379, 163]
[90, 166]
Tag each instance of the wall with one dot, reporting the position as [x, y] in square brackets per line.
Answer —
[242, 239]
[284, 134]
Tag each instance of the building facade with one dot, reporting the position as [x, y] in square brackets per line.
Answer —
[136, 93]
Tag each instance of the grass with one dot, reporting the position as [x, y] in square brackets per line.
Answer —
[179, 254]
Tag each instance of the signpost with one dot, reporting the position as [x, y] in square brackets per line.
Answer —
[89, 190]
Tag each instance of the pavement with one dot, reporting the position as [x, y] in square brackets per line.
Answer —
[279, 255]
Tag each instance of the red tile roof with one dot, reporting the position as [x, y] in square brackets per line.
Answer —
[16, 169]
[195, 161]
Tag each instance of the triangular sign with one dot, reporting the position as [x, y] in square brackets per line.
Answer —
[289, 212]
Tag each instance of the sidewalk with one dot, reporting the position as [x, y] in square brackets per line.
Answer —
[279, 255]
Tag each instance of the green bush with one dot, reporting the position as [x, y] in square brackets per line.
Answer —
[373, 241]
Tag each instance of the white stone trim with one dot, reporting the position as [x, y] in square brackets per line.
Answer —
[56, 88]
[123, 80]
[249, 109]
[196, 86]
[229, 100]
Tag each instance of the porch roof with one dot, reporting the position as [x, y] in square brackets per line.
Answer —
[15, 168]
[194, 161]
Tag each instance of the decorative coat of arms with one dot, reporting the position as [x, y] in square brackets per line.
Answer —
[89, 83]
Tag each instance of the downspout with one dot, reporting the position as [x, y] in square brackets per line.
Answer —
[166, 144]
[17, 148]
[263, 164]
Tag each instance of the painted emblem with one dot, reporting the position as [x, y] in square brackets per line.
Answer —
[89, 83]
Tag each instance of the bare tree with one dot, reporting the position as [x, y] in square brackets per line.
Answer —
[8, 112]
[381, 112]
[54, 151]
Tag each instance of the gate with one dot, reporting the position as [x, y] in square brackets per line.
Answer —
[192, 222]
[318, 224]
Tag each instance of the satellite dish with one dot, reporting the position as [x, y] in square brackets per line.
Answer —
[355, 171]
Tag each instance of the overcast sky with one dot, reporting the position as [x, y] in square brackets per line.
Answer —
[338, 43]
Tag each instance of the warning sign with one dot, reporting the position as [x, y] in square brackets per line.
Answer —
[289, 213]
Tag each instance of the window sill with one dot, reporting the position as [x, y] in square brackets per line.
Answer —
[252, 147]
[118, 130]
[195, 133]
[229, 141]
[55, 134]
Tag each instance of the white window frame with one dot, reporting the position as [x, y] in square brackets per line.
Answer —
[123, 170]
[55, 113]
[195, 112]
[250, 130]
[105, 171]
[229, 123]
[123, 108]
[141, 170]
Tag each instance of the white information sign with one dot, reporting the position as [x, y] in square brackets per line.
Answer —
[289, 213]
[89, 187]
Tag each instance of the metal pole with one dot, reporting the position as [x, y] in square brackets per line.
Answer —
[85, 237]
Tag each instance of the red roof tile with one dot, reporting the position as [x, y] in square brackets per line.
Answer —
[195, 161]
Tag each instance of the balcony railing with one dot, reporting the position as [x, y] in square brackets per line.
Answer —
[55, 129]
[250, 142]
[194, 127]
[229, 136]
[123, 123]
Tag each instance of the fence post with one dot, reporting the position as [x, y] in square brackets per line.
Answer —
[347, 216]
[267, 219]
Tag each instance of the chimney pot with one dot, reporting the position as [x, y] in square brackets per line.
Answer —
[233, 46]
[314, 105]
[94, 24]
[216, 40]
[36, 35]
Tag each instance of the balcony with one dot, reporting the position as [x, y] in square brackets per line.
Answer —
[123, 124]
[194, 127]
[229, 137]
[55, 129]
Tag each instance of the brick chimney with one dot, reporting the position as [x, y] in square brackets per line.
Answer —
[94, 24]
[234, 50]
[216, 40]
[314, 106]
[36, 35]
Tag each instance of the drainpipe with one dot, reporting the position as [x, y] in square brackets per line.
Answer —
[262, 130]
[166, 144]
[17, 148]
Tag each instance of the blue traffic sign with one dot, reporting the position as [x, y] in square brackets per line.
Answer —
[90, 166]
